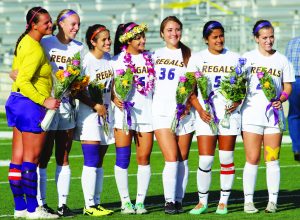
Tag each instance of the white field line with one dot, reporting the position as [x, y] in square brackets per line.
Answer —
[158, 174]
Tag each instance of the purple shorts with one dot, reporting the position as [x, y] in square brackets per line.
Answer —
[24, 114]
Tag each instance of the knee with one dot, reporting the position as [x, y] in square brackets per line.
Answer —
[91, 155]
[205, 162]
[143, 159]
[271, 154]
[123, 156]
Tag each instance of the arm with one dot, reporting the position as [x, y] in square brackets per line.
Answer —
[287, 90]
[204, 115]
[84, 98]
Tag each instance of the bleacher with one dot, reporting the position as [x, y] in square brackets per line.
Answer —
[237, 16]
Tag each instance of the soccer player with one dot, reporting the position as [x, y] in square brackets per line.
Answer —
[25, 107]
[259, 125]
[170, 64]
[215, 62]
[129, 50]
[91, 116]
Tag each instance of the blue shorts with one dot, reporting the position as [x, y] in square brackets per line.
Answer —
[24, 114]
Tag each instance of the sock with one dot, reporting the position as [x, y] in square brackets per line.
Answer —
[88, 182]
[29, 185]
[14, 177]
[182, 180]
[227, 175]
[249, 181]
[204, 177]
[63, 177]
[143, 179]
[121, 176]
[169, 180]
[99, 185]
[273, 180]
[42, 186]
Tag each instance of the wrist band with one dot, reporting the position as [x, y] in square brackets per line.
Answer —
[285, 95]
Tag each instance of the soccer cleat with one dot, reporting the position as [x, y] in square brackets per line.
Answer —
[127, 208]
[222, 209]
[20, 214]
[41, 213]
[199, 209]
[250, 208]
[140, 208]
[271, 207]
[48, 209]
[178, 206]
[170, 208]
[94, 211]
[104, 209]
[65, 211]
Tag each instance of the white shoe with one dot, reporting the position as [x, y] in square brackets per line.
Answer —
[20, 214]
[127, 208]
[40, 213]
[250, 208]
[140, 209]
[271, 207]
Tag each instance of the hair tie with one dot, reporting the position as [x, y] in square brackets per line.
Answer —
[130, 27]
[33, 16]
[261, 25]
[64, 16]
[97, 31]
[213, 25]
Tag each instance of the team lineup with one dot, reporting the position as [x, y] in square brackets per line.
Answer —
[138, 95]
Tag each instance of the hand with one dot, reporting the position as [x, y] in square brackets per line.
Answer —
[277, 104]
[13, 74]
[233, 107]
[118, 103]
[51, 103]
[100, 109]
[205, 116]
[186, 112]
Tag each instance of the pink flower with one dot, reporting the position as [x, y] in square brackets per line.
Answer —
[198, 74]
[76, 62]
[260, 75]
[182, 79]
[120, 72]
[135, 78]
[66, 74]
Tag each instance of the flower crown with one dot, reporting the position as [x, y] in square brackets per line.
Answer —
[128, 35]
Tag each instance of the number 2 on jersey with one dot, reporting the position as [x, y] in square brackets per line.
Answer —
[171, 74]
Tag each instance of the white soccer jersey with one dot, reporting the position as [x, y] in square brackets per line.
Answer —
[254, 106]
[215, 67]
[141, 112]
[100, 70]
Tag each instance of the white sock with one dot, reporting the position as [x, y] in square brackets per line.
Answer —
[169, 180]
[249, 181]
[204, 177]
[182, 180]
[121, 176]
[273, 180]
[63, 177]
[99, 185]
[42, 186]
[143, 179]
[88, 182]
[227, 175]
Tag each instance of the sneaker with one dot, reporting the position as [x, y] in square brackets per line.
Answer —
[222, 209]
[40, 213]
[250, 208]
[48, 209]
[104, 209]
[20, 214]
[140, 208]
[271, 207]
[170, 208]
[178, 206]
[127, 208]
[199, 209]
[65, 211]
[94, 211]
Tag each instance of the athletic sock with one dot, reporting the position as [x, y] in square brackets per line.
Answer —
[143, 179]
[249, 181]
[169, 180]
[99, 185]
[182, 180]
[63, 177]
[42, 186]
[273, 180]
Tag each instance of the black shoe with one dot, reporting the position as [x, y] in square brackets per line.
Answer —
[170, 208]
[65, 211]
[178, 206]
[48, 209]
[297, 156]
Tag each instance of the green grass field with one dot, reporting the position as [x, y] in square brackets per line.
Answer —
[289, 198]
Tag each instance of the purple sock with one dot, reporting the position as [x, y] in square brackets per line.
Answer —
[29, 185]
[91, 154]
[14, 177]
[123, 156]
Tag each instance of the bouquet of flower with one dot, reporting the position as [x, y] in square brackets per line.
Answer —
[122, 87]
[268, 87]
[64, 80]
[233, 88]
[202, 83]
[79, 84]
[96, 91]
[184, 89]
